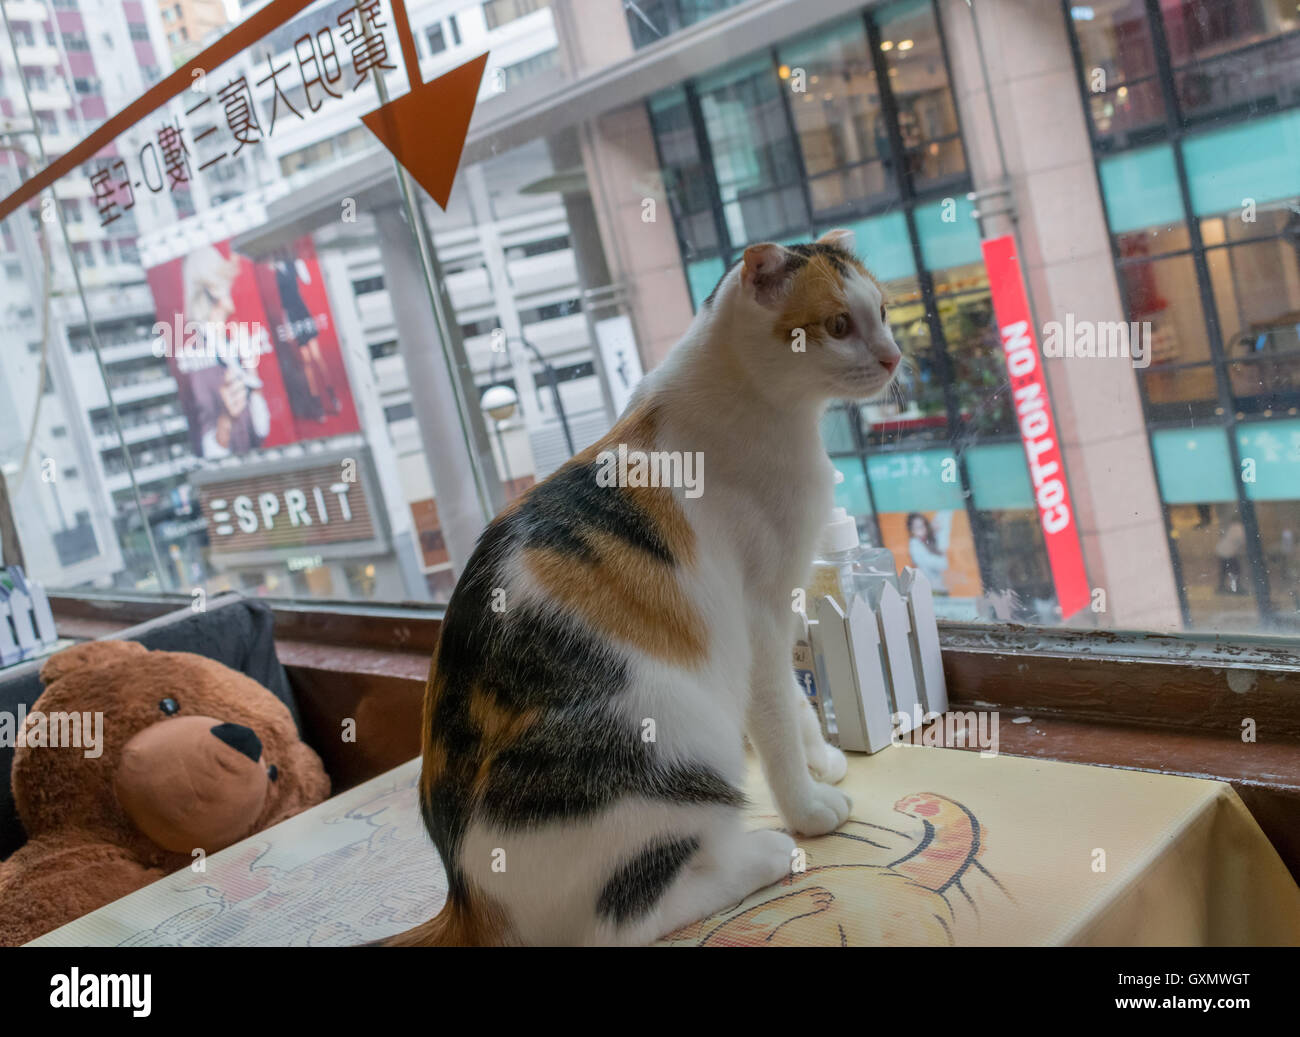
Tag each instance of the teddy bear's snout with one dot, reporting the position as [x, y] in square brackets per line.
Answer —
[237, 736]
[193, 782]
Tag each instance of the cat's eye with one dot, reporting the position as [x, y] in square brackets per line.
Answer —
[839, 325]
[882, 313]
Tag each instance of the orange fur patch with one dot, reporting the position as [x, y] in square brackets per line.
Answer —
[470, 921]
[639, 430]
[625, 596]
[816, 293]
[498, 728]
[432, 751]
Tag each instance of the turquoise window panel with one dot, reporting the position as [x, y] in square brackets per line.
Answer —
[947, 244]
[999, 477]
[1274, 449]
[666, 100]
[832, 43]
[1259, 159]
[883, 244]
[703, 276]
[1193, 465]
[904, 10]
[851, 494]
[1141, 189]
[913, 481]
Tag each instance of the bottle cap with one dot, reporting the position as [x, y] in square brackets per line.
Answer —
[840, 533]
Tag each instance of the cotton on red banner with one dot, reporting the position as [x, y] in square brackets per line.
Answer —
[253, 349]
[1037, 424]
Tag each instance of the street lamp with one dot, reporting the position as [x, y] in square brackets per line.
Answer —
[499, 403]
[552, 381]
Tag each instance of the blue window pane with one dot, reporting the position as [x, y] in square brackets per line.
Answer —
[1257, 160]
[947, 243]
[1193, 465]
[703, 277]
[883, 244]
[913, 481]
[999, 478]
[851, 494]
[1270, 452]
[1141, 189]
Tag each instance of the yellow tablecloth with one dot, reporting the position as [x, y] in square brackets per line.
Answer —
[944, 847]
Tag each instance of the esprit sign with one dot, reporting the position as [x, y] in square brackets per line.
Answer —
[303, 508]
[1037, 424]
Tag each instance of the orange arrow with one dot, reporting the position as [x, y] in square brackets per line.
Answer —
[425, 128]
[413, 137]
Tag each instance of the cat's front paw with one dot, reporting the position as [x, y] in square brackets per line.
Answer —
[826, 763]
[822, 810]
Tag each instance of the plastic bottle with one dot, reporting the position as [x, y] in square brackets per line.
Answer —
[844, 566]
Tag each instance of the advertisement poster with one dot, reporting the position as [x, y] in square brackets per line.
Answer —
[253, 348]
[939, 543]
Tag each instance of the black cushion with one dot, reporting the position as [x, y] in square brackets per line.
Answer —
[233, 630]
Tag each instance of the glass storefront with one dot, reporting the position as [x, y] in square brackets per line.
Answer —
[1206, 232]
[805, 139]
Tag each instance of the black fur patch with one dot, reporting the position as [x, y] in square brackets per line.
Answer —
[638, 885]
[560, 510]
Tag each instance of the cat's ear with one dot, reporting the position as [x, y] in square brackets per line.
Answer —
[764, 271]
[841, 238]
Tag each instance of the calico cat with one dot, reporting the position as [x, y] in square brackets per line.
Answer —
[608, 647]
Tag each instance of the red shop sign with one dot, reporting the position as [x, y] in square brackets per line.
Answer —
[1037, 424]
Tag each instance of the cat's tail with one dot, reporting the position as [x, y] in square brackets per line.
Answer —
[463, 922]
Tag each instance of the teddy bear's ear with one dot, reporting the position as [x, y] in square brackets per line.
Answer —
[88, 654]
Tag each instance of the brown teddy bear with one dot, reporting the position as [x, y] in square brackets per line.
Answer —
[193, 756]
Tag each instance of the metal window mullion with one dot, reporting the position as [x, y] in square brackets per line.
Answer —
[704, 149]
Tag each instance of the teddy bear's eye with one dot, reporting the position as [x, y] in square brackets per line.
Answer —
[273, 772]
[169, 706]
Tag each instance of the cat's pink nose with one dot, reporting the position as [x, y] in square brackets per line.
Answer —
[890, 362]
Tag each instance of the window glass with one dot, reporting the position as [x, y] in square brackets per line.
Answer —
[1141, 189]
[1206, 526]
[650, 21]
[1228, 54]
[1279, 527]
[1115, 37]
[685, 176]
[835, 104]
[754, 152]
[1257, 292]
[1164, 294]
[373, 373]
[918, 79]
[1244, 166]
